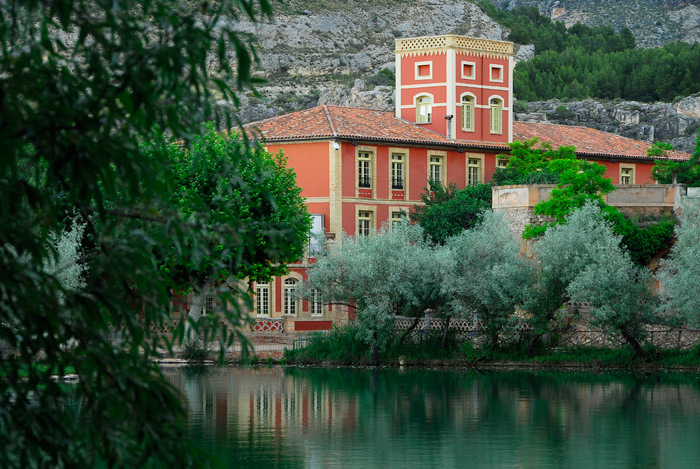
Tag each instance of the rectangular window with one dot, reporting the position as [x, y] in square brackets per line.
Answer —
[290, 297]
[473, 170]
[364, 223]
[262, 299]
[435, 173]
[626, 176]
[364, 162]
[208, 305]
[397, 171]
[497, 73]
[316, 303]
[424, 70]
[396, 218]
[502, 163]
[468, 70]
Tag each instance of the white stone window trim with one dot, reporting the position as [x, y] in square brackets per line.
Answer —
[261, 287]
[429, 76]
[493, 67]
[475, 105]
[501, 107]
[416, 98]
[372, 210]
[468, 77]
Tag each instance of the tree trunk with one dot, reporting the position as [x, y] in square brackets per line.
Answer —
[445, 332]
[533, 341]
[636, 346]
[405, 335]
[195, 311]
[494, 342]
[375, 349]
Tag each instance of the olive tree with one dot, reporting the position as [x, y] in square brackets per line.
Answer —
[485, 275]
[393, 272]
[582, 261]
[82, 84]
[679, 274]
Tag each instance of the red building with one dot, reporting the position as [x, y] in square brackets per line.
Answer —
[359, 168]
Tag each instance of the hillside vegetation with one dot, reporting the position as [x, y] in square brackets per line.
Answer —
[594, 61]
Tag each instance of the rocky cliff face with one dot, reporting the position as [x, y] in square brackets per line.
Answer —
[330, 52]
[675, 123]
[653, 22]
[315, 52]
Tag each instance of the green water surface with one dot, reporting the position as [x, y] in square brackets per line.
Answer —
[364, 418]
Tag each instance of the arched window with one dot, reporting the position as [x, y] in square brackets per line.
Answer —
[424, 110]
[290, 296]
[468, 106]
[496, 107]
[262, 298]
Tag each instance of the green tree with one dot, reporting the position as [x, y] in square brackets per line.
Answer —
[582, 261]
[82, 83]
[679, 273]
[484, 276]
[395, 272]
[447, 211]
[686, 172]
[244, 187]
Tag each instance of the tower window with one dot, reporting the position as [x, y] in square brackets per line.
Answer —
[424, 110]
[468, 105]
[496, 108]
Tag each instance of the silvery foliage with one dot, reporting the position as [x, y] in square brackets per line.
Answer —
[680, 273]
[485, 276]
[586, 254]
[65, 264]
[394, 272]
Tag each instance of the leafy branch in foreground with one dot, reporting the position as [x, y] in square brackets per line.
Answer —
[83, 83]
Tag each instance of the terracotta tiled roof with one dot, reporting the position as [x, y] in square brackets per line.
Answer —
[323, 122]
[326, 122]
[588, 142]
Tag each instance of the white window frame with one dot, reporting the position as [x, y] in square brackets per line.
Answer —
[421, 105]
[429, 76]
[498, 109]
[364, 169]
[364, 222]
[395, 216]
[291, 302]
[436, 163]
[472, 114]
[493, 67]
[473, 171]
[473, 75]
[262, 299]
[501, 163]
[398, 170]
[208, 307]
[316, 305]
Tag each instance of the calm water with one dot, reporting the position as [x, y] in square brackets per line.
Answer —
[276, 417]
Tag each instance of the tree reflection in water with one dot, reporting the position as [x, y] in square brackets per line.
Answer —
[276, 417]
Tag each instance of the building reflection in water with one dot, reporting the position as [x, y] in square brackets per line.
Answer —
[302, 417]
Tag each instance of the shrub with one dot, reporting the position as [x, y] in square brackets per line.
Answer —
[194, 350]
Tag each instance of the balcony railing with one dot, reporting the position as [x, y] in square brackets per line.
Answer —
[364, 182]
[397, 184]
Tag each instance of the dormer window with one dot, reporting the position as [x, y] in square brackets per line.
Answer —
[496, 110]
[468, 105]
[424, 110]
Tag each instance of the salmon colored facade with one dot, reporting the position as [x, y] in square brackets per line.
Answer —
[359, 168]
